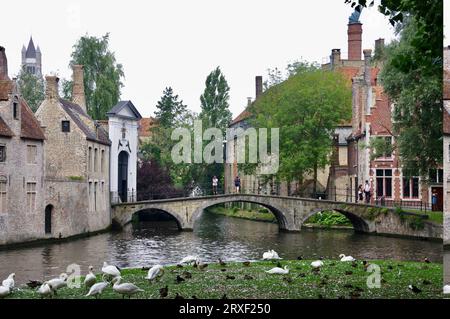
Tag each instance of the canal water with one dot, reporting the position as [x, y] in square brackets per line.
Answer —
[231, 239]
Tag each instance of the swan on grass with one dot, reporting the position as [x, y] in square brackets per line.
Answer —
[9, 282]
[45, 290]
[127, 288]
[90, 278]
[154, 272]
[97, 289]
[270, 255]
[189, 259]
[278, 271]
[447, 289]
[110, 270]
[4, 291]
[317, 264]
[346, 258]
[58, 283]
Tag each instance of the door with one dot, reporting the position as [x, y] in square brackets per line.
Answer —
[439, 191]
[123, 176]
[48, 219]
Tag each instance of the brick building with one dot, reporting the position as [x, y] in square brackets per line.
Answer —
[77, 155]
[446, 129]
[22, 216]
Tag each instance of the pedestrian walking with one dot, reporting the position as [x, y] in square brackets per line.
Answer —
[360, 194]
[215, 182]
[367, 192]
[237, 184]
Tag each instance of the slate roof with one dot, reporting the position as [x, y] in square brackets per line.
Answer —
[120, 106]
[31, 50]
[30, 126]
[81, 119]
[5, 131]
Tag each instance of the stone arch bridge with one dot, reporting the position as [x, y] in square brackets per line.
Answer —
[290, 212]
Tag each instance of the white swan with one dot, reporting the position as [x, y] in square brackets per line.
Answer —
[447, 289]
[189, 259]
[97, 289]
[58, 283]
[270, 255]
[9, 282]
[110, 270]
[278, 270]
[317, 264]
[346, 258]
[45, 290]
[127, 288]
[90, 278]
[154, 272]
[4, 291]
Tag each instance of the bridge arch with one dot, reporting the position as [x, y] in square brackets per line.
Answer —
[280, 213]
[359, 224]
[176, 217]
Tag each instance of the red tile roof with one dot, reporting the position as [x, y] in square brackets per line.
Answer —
[145, 124]
[30, 126]
[241, 117]
[5, 131]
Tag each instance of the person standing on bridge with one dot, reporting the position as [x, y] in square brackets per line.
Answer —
[360, 194]
[367, 192]
[215, 182]
[237, 184]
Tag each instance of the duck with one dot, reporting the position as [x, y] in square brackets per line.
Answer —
[58, 283]
[9, 282]
[97, 289]
[270, 255]
[278, 270]
[127, 288]
[45, 290]
[447, 289]
[90, 278]
[317, 264]
[346, 258]
[110, 270]
[189, 259]
[154, 272]
[163, 292]
[4, 291]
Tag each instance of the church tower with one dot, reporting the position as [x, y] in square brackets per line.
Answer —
[31, 59]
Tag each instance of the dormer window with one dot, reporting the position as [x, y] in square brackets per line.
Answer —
[65, 126]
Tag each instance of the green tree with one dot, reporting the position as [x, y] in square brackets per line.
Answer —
[102, 75]
[306, 108]
[32, 88]
[170, 112]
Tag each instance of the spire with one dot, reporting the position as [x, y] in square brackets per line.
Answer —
[24, 49]
[31, 51]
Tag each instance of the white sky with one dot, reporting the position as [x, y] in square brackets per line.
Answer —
[177, 43]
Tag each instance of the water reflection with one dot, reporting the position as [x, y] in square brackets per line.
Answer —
[214, 237]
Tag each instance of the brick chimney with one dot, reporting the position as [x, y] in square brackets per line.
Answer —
[78, 96]
[379, 44]
[258, 85]
[367, 66]
[3, 64]
[354, 41]
[51, 87]
[335, 57]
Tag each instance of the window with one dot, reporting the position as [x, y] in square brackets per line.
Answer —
[15, 110]
[3, 197]
[31, 154]
[31, 69]
[65, 126]
[411, 187]
[90, 159]
[89, 196]
[388, 149]
[95, 160]
[31, 196]
[2, 153]
[95, 196]
[436, 176]
[102, 161]
[384, 183]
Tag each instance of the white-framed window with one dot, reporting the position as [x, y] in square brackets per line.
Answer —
[411, 187]
[436, 176]
[384, 182]
[3, 196]
[31, 154]
[31, 196]
[2, 153]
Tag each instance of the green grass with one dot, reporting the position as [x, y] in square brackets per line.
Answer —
[333, 281]
[437, 217]
[262, 215]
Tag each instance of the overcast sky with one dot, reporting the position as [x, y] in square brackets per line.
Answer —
[177, 42]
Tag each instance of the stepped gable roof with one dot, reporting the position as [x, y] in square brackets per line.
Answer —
[115, 111]
[30, 126]
[81, 119]
[5, 131]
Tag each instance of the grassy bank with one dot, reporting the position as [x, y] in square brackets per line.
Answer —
[262, 215]
[335, 280]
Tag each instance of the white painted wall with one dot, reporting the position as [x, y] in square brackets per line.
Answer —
[115, 135]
